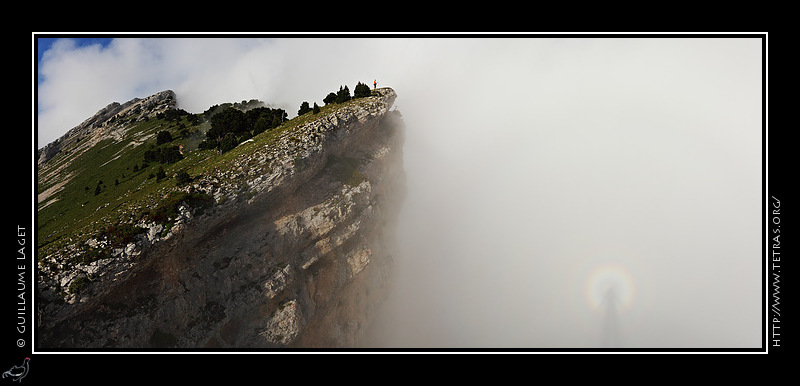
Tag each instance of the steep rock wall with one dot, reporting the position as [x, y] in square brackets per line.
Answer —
[301, 261]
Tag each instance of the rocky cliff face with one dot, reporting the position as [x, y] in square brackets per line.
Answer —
[295, 252]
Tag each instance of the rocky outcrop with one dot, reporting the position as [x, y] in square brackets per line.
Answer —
[295, 252]
[104, 122]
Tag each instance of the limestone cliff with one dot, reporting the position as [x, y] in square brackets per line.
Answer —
[295, 250]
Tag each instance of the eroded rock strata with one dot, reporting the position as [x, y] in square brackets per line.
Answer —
[295, 252]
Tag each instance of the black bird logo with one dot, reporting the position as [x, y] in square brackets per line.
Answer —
[18, 372]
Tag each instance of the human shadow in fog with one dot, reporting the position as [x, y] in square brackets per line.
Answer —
[612, 336]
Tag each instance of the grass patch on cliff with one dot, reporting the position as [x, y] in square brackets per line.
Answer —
[345, 169]
[167, 210]
[78, 285]
[121, 234]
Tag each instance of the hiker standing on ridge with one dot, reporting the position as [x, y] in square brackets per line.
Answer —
[375, 85]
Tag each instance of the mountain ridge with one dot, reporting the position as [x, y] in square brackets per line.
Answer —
[339, 154]
[152, 104]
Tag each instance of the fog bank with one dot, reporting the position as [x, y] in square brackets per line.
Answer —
[533, 164]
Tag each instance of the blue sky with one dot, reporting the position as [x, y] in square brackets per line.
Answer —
[43, 44]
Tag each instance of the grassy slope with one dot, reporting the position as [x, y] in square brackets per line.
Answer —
[78, 212]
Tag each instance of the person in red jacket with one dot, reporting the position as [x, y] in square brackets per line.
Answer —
[375, 84]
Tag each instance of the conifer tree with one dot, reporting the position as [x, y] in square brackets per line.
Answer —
[361, 91]
[303, 108]
[163, 137]
[260, 126]
[343, 95]
[160, 175]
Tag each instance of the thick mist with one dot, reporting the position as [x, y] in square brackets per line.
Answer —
[561, 192]
[533, 164]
